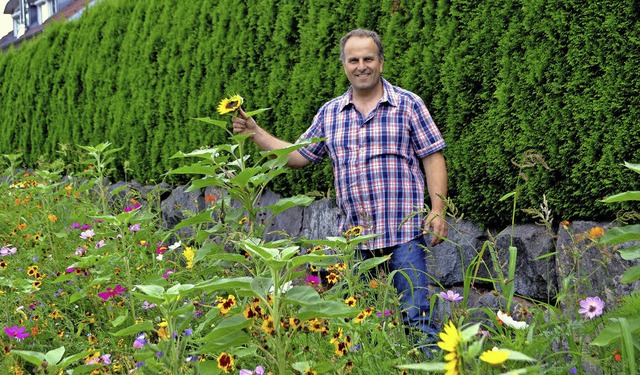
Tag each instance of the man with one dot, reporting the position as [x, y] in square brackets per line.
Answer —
[377, 137]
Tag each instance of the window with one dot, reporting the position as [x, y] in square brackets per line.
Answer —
[46, 9]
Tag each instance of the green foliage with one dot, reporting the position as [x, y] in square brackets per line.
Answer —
[499, 77]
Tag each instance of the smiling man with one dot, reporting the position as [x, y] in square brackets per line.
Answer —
[383, 145]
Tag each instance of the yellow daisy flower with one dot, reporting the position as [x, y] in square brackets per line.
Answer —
[451, 338]
[228, 105]
[495, 356]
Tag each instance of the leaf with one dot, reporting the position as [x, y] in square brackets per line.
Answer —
[326, 309]
[33, 357]
[207, 170]
[517, 356]
[242, 178]
[152, 290]
[203, 217]
[54, 356]
[303, 295]
[286, 203]
[209, 120]
[243, 283]
[506, 196]
[470, 332]
[622, 197]
[612, 333]
[229, 333]
[630, 275]
[432, 366]
[621, 234]
[630, 253]
[147, 325]
[257, 111]
[119, 320]
[633, 167]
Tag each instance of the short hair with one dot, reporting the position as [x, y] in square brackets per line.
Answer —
[361, 33]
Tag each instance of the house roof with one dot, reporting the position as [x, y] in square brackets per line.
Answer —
[67, 12]
[11, 6]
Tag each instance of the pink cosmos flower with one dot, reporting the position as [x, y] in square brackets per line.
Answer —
[450, 295]
[134, 228]
[257, 371]
[591, 307]
[16, 332]
[7, 250]
[119, 289]
[87, 234]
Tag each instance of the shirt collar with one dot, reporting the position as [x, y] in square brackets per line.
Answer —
[389, 96]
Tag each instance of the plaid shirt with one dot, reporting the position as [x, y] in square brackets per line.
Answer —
[376, 161]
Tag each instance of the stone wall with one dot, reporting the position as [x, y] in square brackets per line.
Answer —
[545, 261]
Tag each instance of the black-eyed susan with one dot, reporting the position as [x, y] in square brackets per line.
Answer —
[231, 104]
[310, 372]
[36, 284]
[225, 362]
[360, 317]
[32, 270]
[495, 357]
[451, 338]
[3, 264]
[333, 278]
[227, 304]
[351, 301]
[341, 266]
[267, 325]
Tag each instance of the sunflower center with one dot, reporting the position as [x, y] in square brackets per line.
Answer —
[232, 104]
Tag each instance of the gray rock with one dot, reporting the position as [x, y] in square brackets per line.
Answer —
[588, 268]
[535, 275]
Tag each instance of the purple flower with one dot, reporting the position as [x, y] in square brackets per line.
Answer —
[257, 371]
[6, 251]
[139, 342]
[106, 359]
[188, 332]
[134, 228]
[167, 274]
[146, 305]
[112, 292]
[450, 295]
[591, 307]
[100, 244]
[573, 370]
[87, 234]
[80, 251]
[16, 332]
[313, 280]
[76, 225]
[131, 208]
[385, 313]
[85, 226]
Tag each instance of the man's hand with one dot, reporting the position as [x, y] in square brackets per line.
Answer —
[242, 124]
[436, 223]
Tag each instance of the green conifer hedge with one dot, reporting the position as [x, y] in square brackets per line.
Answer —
[500, 77]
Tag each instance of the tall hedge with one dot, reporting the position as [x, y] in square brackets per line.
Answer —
[501, 77]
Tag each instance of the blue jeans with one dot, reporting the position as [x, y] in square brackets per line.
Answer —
[410, 258]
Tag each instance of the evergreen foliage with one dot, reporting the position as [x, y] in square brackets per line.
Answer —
[499, 77]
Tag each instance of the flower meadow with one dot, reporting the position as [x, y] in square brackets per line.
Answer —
[93, 283]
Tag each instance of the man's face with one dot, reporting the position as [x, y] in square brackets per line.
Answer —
[362, 63]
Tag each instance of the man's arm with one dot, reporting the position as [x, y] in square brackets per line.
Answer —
[264, 140]
[435, 170]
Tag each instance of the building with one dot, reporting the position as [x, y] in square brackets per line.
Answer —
[31, 17]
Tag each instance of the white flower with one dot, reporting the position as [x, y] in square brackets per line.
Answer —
[175, 246]
[159, 257]
[506, 319]
[283, 288]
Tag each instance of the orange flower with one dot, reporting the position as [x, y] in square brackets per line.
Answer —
[596, 232]
[210, 199]
[616, 355]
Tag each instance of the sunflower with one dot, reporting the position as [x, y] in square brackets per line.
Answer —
[451, 338]
[495, 356]
[228, 105]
